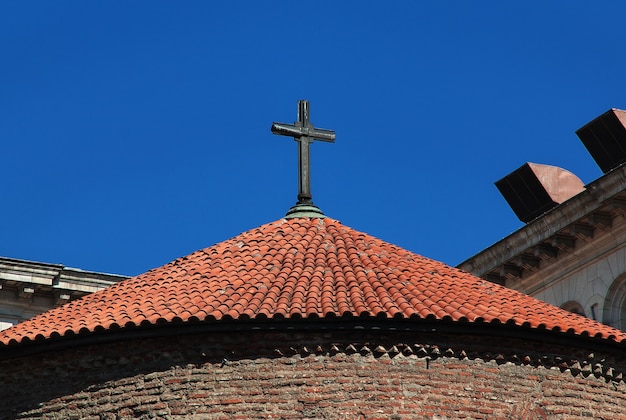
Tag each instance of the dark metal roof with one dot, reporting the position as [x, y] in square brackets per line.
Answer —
[533, 189]
[605, 139]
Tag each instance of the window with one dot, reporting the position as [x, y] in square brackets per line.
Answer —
[614, 313]
[574, 307]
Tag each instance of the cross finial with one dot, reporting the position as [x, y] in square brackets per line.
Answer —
[304, 133]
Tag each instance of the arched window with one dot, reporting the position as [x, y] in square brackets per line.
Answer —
[614, 313]
[574, 307]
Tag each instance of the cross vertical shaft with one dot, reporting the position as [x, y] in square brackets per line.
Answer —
[304, 155]
[304, 133]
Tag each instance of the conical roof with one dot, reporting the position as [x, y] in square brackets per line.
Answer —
[302, 269]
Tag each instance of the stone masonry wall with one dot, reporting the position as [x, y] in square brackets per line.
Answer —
[305, 376]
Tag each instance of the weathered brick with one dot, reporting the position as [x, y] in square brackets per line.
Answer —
[257, 383]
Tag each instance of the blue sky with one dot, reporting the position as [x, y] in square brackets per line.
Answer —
[137, 132]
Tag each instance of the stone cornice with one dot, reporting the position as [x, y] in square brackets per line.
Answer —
[29, 278]
[585, 218]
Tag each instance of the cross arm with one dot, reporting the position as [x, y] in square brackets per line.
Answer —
[287, 130]
[323, 135]
[297, 132]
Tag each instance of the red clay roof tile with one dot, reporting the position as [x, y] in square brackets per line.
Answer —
[302, 268]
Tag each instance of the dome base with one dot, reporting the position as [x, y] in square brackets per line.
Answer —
[308, 210]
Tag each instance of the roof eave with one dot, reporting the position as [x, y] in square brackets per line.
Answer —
[595, 196]
[418, 326]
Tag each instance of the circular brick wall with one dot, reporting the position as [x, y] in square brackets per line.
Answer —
[314, 375]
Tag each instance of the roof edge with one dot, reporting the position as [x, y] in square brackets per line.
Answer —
[594, 196]
[489, 329]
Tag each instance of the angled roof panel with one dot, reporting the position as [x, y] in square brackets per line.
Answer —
[605, 139]
[533, 189]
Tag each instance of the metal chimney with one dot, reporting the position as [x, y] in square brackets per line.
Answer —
[605, 139]
[533, 189]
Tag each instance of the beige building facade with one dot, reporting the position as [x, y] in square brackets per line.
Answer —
[29, 288]
[574, 254]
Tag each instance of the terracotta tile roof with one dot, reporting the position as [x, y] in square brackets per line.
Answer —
[302, 268]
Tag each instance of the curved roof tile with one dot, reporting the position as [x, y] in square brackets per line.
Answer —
[302, 268]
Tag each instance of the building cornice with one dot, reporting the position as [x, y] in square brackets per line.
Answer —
[29, 279]
[558, 232]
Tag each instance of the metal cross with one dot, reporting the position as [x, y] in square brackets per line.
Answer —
[304, 133]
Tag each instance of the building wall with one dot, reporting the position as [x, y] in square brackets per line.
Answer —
[573, 256]
[591, 286]
[588, 279]
[586, 274]
[29, 288]
[310, 375]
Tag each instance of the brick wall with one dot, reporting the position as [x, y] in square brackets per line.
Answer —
[315, 375]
